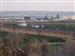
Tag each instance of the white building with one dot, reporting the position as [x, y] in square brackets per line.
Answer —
[23, 24]
[69, 17]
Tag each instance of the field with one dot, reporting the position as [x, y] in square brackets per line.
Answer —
[31, 45]
[22, 44]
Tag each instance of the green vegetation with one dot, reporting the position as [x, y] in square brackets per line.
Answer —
[3, 35]
[65, 26]
[51, 26]
[28, 38]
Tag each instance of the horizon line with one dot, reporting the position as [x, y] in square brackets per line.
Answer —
[45, 11]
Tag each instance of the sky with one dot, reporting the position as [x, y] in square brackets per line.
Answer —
[7, 5]
[37, 0]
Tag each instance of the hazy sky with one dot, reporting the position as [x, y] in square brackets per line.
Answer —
[37, 0]
[37, 6]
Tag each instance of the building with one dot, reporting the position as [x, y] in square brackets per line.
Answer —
[27, 18]
[57, 16]
[23, 24]
[46, 17]
[69, 17]
[38, 26]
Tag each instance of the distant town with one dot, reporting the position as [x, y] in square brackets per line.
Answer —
[24, 35]
[26, 19]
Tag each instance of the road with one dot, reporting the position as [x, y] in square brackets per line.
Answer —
[62, 34]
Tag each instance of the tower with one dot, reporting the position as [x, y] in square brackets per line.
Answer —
[46, 17]
[57, 16]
